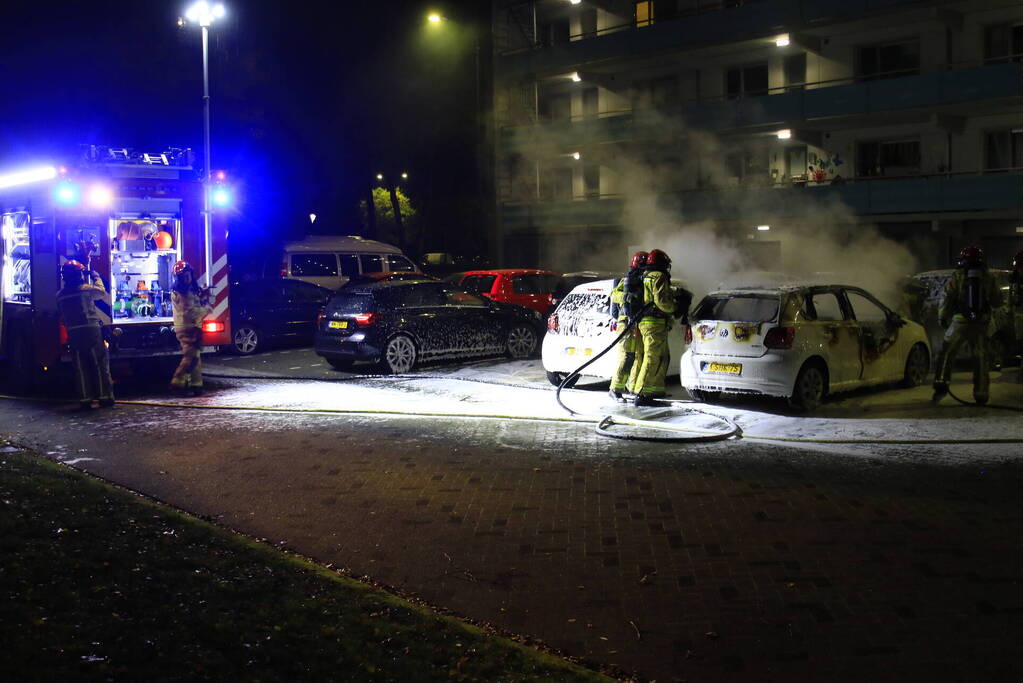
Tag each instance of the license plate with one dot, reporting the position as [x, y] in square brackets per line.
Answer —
[338, 324]
[728, 368]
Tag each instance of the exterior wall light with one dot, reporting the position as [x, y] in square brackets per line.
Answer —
[763, 228]
[784, 134]
[782, 41]
[575, 77]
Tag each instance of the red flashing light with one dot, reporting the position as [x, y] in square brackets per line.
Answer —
[220, 175]
[213, 326]
[62, 170]
[366, 319]
[780, 337]
[284, 269]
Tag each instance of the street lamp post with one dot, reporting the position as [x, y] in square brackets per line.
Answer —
[204, 13]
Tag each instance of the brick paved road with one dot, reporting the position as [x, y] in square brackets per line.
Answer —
[713, 562]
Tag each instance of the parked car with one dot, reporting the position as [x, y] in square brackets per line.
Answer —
[273, 310]
[800, 343]
[1004, 342]
[367, 278]
[401, 323]
[569, 281]
[525, 287]
[330, 261]
[581, 327]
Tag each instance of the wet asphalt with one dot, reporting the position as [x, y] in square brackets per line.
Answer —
[721, 561]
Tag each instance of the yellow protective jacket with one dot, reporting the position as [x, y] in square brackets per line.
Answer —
[658, 291]
[189, 309]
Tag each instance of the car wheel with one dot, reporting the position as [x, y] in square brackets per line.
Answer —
[704, 396]
[556, 378]
[917, 364]
[246, 340]
[399, 355]
[521, 342]
[809, 389]
[341, 363]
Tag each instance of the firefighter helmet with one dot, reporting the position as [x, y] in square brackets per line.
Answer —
[658, 260]
[638, 259]
[72, 267]
[181, 266]
[1017, 261]
[970, 256]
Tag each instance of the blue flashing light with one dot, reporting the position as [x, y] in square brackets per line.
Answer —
[67, 194]
[221, 197]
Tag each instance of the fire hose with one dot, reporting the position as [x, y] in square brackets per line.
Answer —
[607, 421]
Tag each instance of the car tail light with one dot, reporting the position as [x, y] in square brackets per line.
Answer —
[213, 326]
[319, 317]
[780, 337]
[552, 322]
[689, 334]
[366, 319]
[284, 269]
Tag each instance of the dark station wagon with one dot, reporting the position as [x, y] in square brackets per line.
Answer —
[398, 324]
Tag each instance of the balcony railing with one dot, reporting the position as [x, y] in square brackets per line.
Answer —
[990, 189]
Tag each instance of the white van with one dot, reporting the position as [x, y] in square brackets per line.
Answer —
[330, 261]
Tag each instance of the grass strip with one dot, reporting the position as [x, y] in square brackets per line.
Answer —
[99, 584]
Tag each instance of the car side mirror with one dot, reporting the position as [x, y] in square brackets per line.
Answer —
[895, 320]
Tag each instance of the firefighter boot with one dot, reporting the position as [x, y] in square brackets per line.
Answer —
[940, 392]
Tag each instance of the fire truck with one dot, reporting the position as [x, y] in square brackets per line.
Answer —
[133, 215]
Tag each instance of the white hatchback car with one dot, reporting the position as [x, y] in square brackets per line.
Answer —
[800, 343]
[581, 327]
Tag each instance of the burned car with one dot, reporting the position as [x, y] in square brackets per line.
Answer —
[800, 343]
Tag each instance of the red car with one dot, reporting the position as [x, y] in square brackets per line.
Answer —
[522, 286]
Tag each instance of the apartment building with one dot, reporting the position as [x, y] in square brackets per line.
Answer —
[904, 117]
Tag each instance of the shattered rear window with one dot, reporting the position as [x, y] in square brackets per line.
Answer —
[739, 309]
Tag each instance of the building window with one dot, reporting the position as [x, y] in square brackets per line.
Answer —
[1003, 43]
[655, 93]
[795, 71]
[888, 158]
[1003, 150]
[556, 183]
[556, 31]
[588, 23]
[556, 107]
[644, 13]
[591, 180]
[591, 103]
[746, 81]
[889, 60]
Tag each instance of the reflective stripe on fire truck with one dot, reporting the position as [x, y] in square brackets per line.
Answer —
[218, 293]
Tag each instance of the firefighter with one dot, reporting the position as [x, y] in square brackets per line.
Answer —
[76, 302]
[189, 303]
[626, 300]
[970, 296]
[653, 328]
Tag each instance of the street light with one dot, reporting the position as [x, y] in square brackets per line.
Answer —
[204, 13]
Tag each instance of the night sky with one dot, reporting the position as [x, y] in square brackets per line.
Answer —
[310, 99]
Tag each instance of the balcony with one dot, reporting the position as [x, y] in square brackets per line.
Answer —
[925, 194]
[949, 89]
[728, 25]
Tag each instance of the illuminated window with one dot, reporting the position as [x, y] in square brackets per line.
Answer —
[644, 13]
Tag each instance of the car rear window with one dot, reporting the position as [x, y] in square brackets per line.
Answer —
[533, 283]
[353, 302]
[585, 302]
[479, 284]
[314, 265]
[738, 308]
